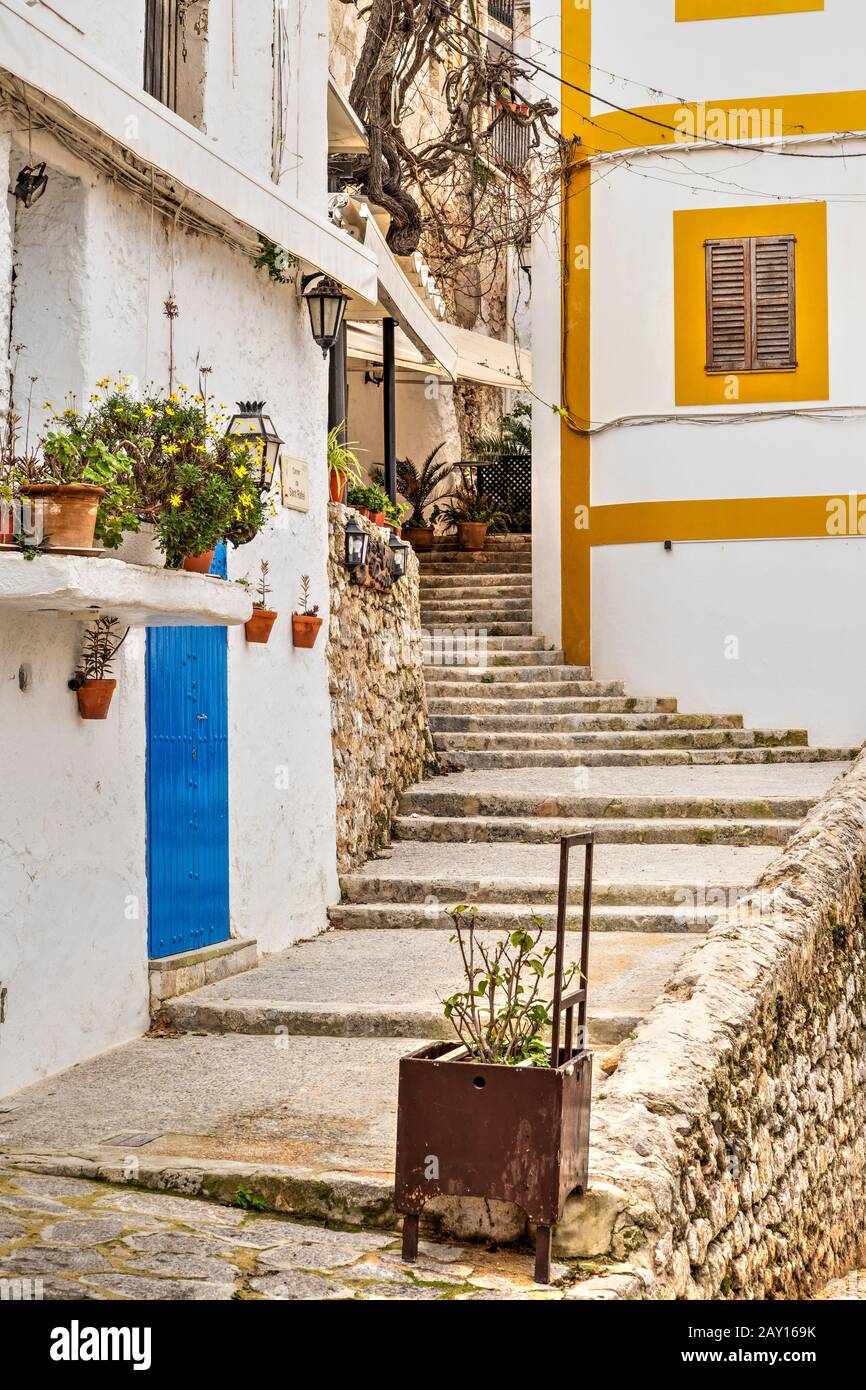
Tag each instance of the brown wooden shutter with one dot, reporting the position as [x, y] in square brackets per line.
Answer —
[774, 317]
[729, 329]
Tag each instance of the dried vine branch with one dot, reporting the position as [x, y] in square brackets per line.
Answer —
[442, 186]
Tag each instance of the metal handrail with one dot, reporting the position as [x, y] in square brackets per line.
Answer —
[561, 1001]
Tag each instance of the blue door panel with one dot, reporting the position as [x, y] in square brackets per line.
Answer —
[187, 788]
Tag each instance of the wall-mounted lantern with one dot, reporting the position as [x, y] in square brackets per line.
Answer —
[30, 184]
[357, 545]
[326, 302]
[399, 555]
[251, 423]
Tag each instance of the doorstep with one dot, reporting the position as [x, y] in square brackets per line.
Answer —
[178, 974]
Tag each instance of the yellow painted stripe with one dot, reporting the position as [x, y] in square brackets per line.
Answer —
[829, 515]
[816, 113]
[575, 448]
[741, 9]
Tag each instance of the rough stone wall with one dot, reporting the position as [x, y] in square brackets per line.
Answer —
[381, 734]
[729, 1158]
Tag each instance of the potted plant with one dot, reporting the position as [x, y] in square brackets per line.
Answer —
[420, 487]
[306, 624]
[394, 516]
[92, 682]
[258, 628]
[472, 514]
[343, 464]
[504, 1114]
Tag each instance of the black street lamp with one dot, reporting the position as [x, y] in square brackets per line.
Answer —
[399, 556]
[251, 424]
[357, 545]
[30, 184]
[327, 305]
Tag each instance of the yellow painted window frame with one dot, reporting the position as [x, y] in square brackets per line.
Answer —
[810, 380]
[741, 9]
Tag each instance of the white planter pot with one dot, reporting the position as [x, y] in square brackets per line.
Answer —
[140, 548]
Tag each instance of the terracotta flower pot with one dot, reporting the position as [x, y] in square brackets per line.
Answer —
[378, 518]
[64, 513]
[94, 698]
[471, 535]
[7, 523]
[258, 629]
[336, 484]
[199, 564]
[305, 629]
[419, 537]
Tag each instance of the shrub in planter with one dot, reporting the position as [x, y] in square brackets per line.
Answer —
[472, 514]
[92, 682]
[258, 628]
[306, 624]
[370, 501]
[420, 486]
[343, 464]
[505, 1113]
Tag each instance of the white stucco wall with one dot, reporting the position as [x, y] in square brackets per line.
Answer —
[425, 417]
[664, 623]
[72, 837]
[761, 55]
[73, 900]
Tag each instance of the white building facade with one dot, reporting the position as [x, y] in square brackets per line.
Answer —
[717, 405]
[147, 205]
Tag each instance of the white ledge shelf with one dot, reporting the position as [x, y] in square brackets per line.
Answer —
[81, 587]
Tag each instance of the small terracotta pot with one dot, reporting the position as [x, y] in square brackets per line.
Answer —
[336, 484]
[258, 629]
[419, 537]
[305, 629]
[364, 511]
[94, 697]
[471, 535]
[65, 513]
[199, 564]
[377, 518]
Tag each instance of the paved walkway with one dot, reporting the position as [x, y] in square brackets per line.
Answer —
[66, 1239]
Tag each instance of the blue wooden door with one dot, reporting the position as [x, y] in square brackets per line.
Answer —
[187, 788]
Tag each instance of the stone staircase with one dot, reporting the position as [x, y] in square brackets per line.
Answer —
[687, 810]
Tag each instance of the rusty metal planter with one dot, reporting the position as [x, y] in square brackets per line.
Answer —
[512, 1133]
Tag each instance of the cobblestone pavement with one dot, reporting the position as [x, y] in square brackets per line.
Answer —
[63, 1238]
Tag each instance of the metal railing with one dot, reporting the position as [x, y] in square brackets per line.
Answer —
[501, 10]
[510, 141]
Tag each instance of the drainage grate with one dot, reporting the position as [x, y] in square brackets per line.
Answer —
[133, 1140]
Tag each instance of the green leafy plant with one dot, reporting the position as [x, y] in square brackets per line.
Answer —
[513, 436]
[102, 641]
[396, 514]
[342, 457]
[372, 497]
[250, 1201]
[500, 1015]
[420, 485]
[467, 503]
[304, 609]
[280, 264]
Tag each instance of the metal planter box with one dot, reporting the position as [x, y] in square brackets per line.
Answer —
[512, 1133]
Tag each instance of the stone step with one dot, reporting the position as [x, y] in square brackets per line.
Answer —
[468, 571]
[523, 830]
[476, 615]
[620, 918]
[444, 652]
[552, 708]
[579, 723]
[390, 984]
[507, 674]
[640, 757]
[435, 799]
[439, 875]
[465, 586]
[456, 684]
[491, 629]
[680, 738]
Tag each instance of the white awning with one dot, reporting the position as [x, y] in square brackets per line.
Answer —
[346, 133]
[485, 360]
[63, 78]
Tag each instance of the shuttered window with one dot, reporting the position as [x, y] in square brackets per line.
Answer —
[751, 309]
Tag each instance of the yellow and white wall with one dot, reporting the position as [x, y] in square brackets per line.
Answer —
[759, 605]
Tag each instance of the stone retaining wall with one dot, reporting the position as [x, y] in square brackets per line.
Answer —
[728, 1151]
[381, 734]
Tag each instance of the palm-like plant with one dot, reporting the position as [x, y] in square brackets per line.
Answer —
[420, 486]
